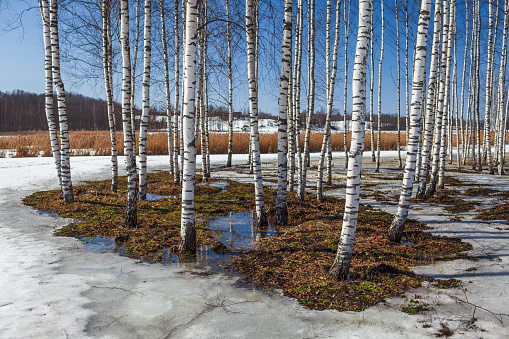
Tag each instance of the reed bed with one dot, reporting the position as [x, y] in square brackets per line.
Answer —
[32, 144]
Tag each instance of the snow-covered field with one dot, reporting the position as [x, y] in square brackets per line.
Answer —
[50, 287]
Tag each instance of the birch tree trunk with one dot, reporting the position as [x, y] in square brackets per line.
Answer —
[478, 86]
[441, 104]
[253, 109]
[176, 167]
[488, 103]
[230, 84]
[463, 74]
[133, 76]
[377, 168]
[371, 87]
[501, 82]
[297, 87]
[346, 18]
[447, 99]
[187, 224]
[65, 165]
[286, 64]
[311, 98]
[399, 82]
[331, 80]
[407, 94]
[145, 101]
[169, 113]
[50, 115]
[341, 265]
[108, 83]
[430, 104]
[130, 157]
[416, 108]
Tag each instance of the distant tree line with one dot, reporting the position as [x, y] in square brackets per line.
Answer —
[24, 111]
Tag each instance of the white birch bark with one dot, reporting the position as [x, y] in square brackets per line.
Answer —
[130, 157]
[230, 85]
[169, 113]
[253, 109]
[65, 165]
[371, 87]
[145, 94]
[501, 82]
[50, 115]
[187, 225]
[331, 80]
[133, 75]
[346, 19]
[286, 64]
[176, 167]
[297, 87]
[341, 265]
[311, 98]
[447, 96]
[108, 82]
[380, 62]
[430, 104]
[407, 94]
[488, 102]
[416, 108]
[398, 81]
[440, 116]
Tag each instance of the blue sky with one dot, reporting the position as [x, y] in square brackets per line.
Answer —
[22, 62]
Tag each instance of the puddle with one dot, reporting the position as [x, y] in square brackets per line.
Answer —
[51, 214]
[236, 232]
[102, 245]
[222, 184]
[407, 243]
[155, 197]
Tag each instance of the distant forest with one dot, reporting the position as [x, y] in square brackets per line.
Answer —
[24, 111]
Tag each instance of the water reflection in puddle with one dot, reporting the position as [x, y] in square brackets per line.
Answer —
[222, 184]
[232, 234]
[155, 197]
[407, 243]
[102, 245]
[51, 214]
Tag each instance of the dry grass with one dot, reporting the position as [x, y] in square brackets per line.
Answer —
[31, 144]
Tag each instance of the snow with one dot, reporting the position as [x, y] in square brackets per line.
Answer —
[50, 287]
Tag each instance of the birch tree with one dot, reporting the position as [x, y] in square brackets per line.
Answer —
[65, 166]
[50, 115]
[331, 80]
[187, 224]
[253, 109]
[501, 82]
[230, 84]
[132, 183]
[416, 108]
[311, 98]
[346, 20]
[343, 258]
[380, 62]
[297, 85]
[108, 83]
[372, 87]
[170, 117]
[286, 64]
[398, 81]
[488, 102]
[441, 104]
[145, 101]
[176, 168]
